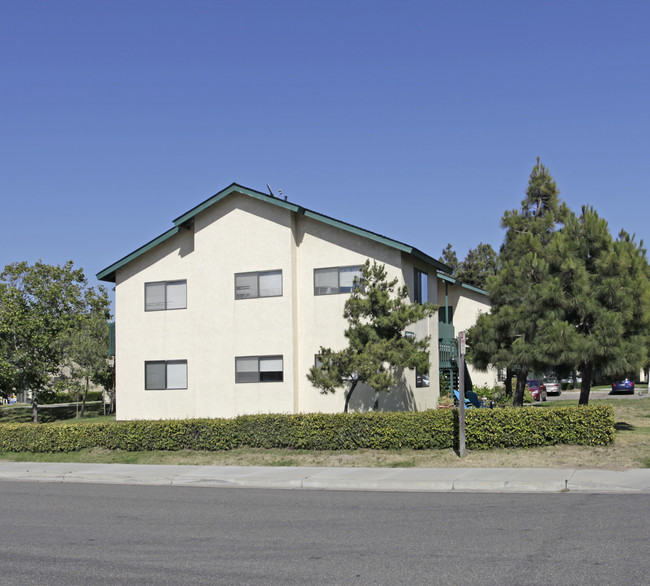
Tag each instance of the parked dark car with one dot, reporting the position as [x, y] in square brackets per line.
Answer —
[623, 386]
[537, 389]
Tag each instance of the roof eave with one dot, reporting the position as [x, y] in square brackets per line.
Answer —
[108, 274]
[454, 281]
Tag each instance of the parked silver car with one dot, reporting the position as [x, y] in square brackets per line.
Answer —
[552, 387]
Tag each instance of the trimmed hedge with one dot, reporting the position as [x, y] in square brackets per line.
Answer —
[590, 425]
[434, 429]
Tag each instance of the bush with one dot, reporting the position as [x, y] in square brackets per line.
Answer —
[497, 395]
[433, 429]
[591, 425]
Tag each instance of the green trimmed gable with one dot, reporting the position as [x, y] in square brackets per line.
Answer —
[108, 274]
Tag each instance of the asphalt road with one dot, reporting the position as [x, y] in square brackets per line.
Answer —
[55, 534]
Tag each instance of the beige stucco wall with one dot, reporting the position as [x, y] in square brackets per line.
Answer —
[241, 234]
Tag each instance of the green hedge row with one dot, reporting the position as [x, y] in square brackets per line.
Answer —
[591, 425]
[435, 429]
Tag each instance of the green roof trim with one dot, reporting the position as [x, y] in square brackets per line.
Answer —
[378, 238]
[108, 274]
[463, 285]
[233, 188]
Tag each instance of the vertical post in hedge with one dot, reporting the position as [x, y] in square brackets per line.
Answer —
[461, 394]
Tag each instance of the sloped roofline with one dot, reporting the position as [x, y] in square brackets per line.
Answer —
[451, 279]
[108, 274]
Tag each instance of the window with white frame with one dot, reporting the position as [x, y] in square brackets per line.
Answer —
[258, 284]
[421, 292]
[334, 280]
[259, 369]
[165, 375]
[164, 295]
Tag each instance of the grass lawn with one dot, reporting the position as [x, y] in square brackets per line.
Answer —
[65, 413]
[631, 449]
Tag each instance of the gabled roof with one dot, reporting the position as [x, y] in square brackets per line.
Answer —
[108, 274]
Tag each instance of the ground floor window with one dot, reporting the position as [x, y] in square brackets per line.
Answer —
[165, 374]
[421, 379]
[259, 369]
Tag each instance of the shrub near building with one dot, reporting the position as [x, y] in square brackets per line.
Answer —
[433, 429]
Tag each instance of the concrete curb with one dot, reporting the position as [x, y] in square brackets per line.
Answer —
[514, 480]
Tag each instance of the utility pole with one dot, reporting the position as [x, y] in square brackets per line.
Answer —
[461, 393]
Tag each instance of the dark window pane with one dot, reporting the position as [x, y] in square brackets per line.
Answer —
[154, 375]
[269, 377]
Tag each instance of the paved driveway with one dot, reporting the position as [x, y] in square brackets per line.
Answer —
[597, 395]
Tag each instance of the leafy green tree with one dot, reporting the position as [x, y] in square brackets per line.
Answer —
[603, 290]
[377, 314]
[479, 264]
[105, 377]
[522, 293]
[86, 345]
[40, 305]
[449, 257]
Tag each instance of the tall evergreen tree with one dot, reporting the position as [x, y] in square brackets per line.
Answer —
[449, 257]
[479, 264]
[521, 292]
[604, 296]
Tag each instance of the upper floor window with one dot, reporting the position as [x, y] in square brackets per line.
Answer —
[165, 295]
[259, 369]
[335, 280]
[165, 374]
[421, 292]
[258, 284]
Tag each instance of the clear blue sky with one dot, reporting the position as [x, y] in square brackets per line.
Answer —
[417, 120]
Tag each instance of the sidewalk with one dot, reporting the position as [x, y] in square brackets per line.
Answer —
[386, 479]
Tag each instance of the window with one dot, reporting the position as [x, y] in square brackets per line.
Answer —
[421, 379]
[258, 284]
[165, 374]
[258, 369]
[335, 280]
[165, 295]
[421, 293]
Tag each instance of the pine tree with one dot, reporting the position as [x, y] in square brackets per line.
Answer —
[377, 316]
[450, 258]
[522, 293]
[605, 299]
[479, 264]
